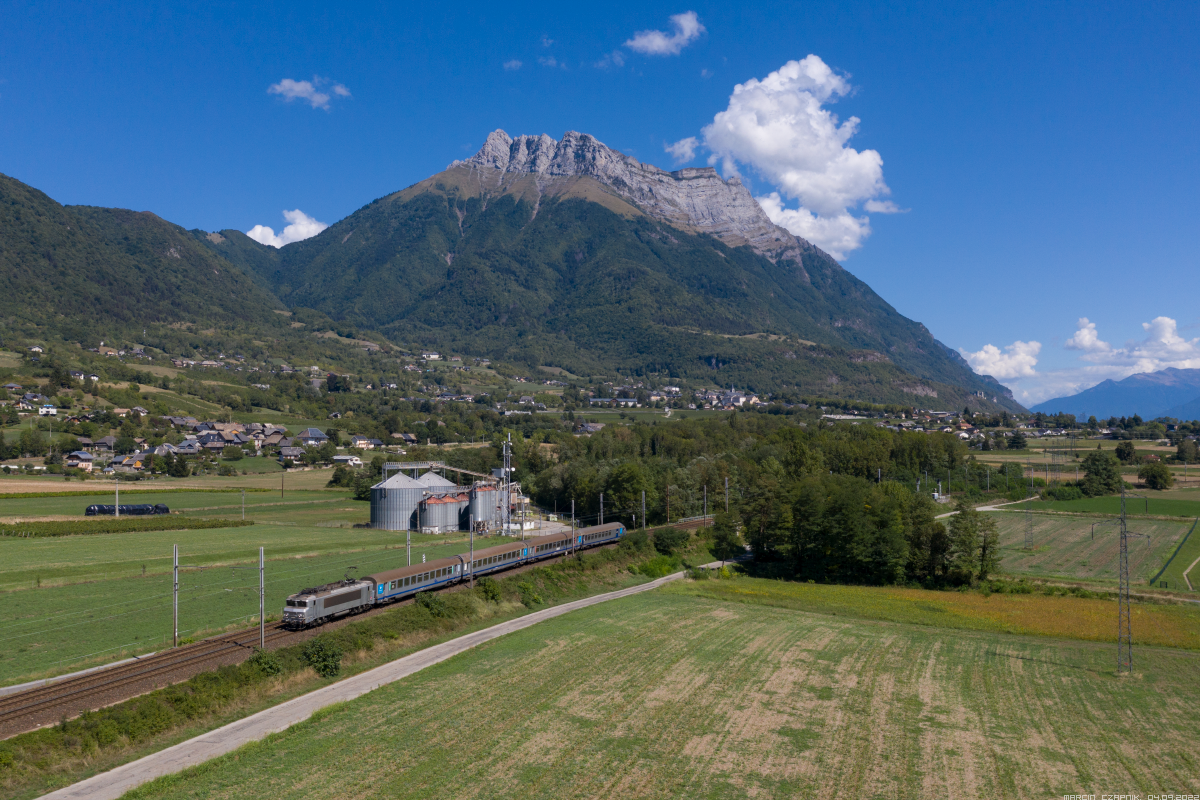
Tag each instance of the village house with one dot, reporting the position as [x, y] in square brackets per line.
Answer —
[312, 437]
[290, 453]
[79, 460]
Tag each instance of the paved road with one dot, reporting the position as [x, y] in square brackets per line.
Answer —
[111, 785]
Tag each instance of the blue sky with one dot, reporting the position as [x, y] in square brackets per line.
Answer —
[1044, 156]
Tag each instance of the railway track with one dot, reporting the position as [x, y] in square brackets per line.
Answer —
[35, 707]
[47, 704]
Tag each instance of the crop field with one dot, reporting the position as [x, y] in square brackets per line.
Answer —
[79, 600]
[670, 694]
[228, 502]
[1151, 504]
[56, 627]
[1065, 548]
[1026, 614]
[1188, 556]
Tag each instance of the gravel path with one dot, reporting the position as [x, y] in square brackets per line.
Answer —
[111, 785]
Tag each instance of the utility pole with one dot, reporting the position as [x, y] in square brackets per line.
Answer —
[117, 489]
[262, 601]
[1124, 630]
[506, 511]
[668, 502]
[408, 542]
[706, 502]
[602, 508]
[726, 494]
[643, 509]
[281, 483]
[1029, 511]
[175, 599]
[470, 564]
[572, 524]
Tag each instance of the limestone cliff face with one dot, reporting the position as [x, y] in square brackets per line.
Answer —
[694, 199]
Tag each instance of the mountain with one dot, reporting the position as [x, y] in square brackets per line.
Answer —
[87, 272]
[1168, 393]
[569, 254]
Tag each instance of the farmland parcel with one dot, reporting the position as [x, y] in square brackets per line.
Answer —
[676, 694]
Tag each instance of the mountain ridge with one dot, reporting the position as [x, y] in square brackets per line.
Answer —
[1169, 392]
[499, 251]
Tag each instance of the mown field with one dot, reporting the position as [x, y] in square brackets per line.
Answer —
[1064, 546]
[679, 694]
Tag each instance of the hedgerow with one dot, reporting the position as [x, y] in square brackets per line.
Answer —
[108, 492]
[99, 525]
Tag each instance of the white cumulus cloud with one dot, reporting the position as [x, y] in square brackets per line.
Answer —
[687, 29]
[1015, 361]
[300, 226]
[310, 92]
[514, 64]
[836, 234]
[684, 150]
[1087, 339]
[780, 128]
[1162, 347]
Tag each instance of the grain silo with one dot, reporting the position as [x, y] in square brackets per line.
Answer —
[462, 511]
[439, 513]
[432, 480]
[484, 498]
[394, 503]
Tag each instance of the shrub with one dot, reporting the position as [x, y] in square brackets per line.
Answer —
[634, 542]
[529, 594]
[265, 662]
[232, 453]
[658, 567]
[489, 589]
[669, 540]
[435, 604]
[1068, 492]
[323, 656]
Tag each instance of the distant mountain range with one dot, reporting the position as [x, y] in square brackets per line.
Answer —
[558, 253]
[1168, 393]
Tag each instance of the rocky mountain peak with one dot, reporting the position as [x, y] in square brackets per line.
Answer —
[695, 198]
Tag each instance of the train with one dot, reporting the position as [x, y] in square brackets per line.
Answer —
[137, 510]
[319, 604]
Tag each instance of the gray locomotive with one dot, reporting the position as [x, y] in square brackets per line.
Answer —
[322, 603]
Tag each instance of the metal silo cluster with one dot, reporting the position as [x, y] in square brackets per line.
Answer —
[432, 503]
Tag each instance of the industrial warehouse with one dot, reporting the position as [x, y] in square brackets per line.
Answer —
[412, 500]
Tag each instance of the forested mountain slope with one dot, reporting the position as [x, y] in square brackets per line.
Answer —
[83, 271]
